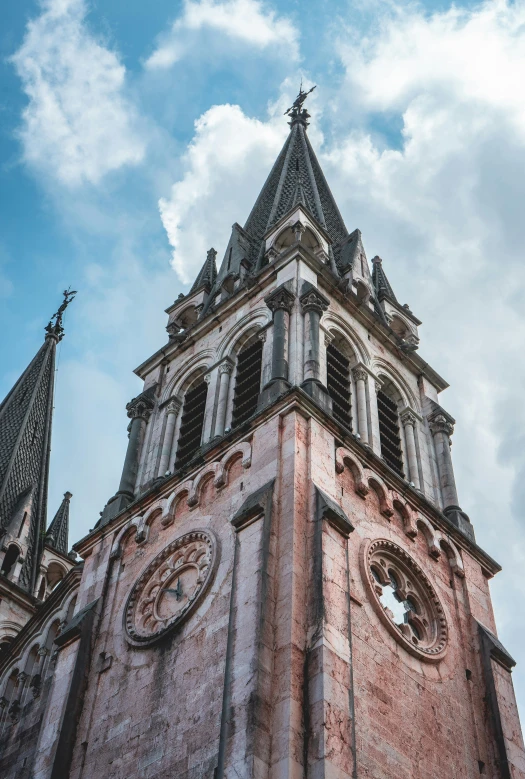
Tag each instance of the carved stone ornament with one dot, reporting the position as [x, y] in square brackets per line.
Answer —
[282, 298]
[139, 409]
[404, 599]
[170, 588]
[408, 418]
[226, 367]
[173, 406]
[440, 424]
[314, 301]
[359, 374]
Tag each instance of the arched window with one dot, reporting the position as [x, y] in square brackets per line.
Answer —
[5, 643]
[10, 558]
[247, 381]
[389, 434]
[55, 574]
[192, 422]
[338, 382]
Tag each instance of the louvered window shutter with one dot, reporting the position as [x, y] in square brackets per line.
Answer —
[191, 424]
[247, 383]
[389, 432]
[338, 385]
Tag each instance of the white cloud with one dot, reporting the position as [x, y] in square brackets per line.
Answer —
[225, 167]
[79, 123]
[248, 22]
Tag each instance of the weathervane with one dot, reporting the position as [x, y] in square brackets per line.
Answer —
[55, 327]
[297, 105]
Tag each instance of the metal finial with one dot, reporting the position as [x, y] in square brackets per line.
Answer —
[297, 105]
[55, 327]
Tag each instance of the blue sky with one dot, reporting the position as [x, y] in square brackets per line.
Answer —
[133, 135]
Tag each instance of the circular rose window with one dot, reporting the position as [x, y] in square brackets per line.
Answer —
[404, 599]
[170, 588]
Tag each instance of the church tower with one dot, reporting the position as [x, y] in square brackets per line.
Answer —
[284, 585]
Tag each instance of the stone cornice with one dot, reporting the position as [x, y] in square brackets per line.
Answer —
[296, 400]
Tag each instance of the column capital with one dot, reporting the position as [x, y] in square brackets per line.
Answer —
[359, 373]
[280, 299]
[173, 405]
[226, 367]
[408, 416]
[313, 300]
[140, 407]
[440, 424]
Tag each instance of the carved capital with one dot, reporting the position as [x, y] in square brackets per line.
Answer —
[272, 254]
[43, 651]
[138, 411]
[262, 336]
[359, 374]
[3, 702]
[226, 367]
[328, 339]
[22, 676]
[408, 417]
[440, 424]
[281, 299]
[173, 406]
[313, 300]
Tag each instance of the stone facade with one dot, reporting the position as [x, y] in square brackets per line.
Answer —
[286, 604]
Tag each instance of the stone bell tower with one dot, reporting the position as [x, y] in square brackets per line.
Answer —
[284, 585]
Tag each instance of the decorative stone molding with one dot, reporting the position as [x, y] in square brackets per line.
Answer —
[408, 417]
[280, 299]
[262, 335]
[423, 631]
[298, 229]
[313, 300]
[440, 424]
[139, 409]
[170, 588]
[360, 374]
[226, 367]
[173, 405]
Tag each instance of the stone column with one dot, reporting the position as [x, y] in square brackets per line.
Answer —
[139, 415]
[225, 371]
[409, 422]
[442, 428]
[172, 409]
[374, 438]
[360, 377]
[313, 303]
[280, 302]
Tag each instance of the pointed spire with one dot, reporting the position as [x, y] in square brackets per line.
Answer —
[295, 177]
[381, 283]
[25, 442]
[57, 535]
[208, 272]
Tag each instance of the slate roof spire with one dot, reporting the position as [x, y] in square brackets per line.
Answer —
[382, 285]
[57, 535]
[208, 272]
[295, 177]
[25, 443]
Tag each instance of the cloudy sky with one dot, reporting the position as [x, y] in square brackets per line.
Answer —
[133, 135]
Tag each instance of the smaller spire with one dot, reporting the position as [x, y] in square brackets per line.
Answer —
[208, 272]
[54, 328]
[381, 284]
[57, 535]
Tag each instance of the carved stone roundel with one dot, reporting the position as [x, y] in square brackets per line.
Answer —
[404, 599]
[170, 588]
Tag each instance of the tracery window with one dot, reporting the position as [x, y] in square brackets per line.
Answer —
[405, 599]
[247, 382]
[389, 432]
[338, 384]
[192, 422]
